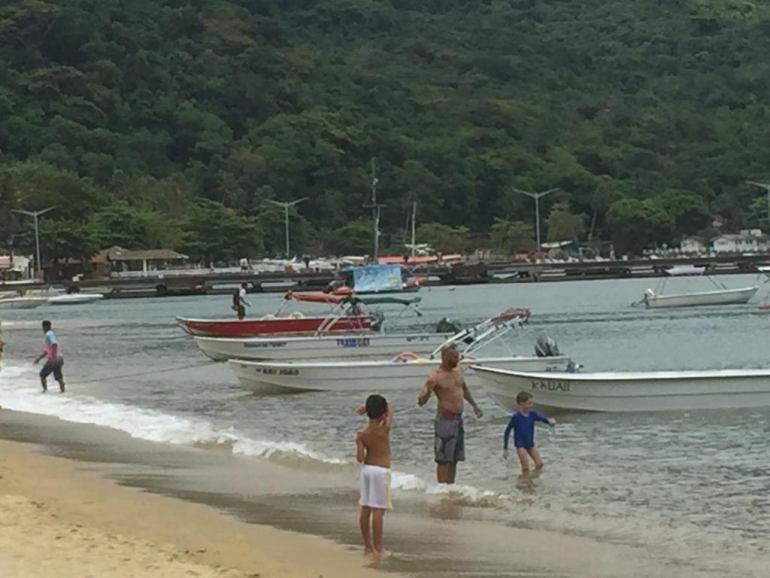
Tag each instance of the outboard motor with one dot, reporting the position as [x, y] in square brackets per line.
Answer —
[546, 347]
[446, 326]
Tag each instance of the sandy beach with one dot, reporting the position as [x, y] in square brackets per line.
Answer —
[58, 520]
[81, 500]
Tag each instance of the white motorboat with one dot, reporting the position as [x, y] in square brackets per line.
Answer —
[23, 302]
[630, 392]
[685, 271]
[75, 298]
[719, 297]
[404, 371]
[273, 378]
[356, 345]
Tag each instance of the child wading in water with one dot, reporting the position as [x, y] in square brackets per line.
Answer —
[522, 424]
[373, 451]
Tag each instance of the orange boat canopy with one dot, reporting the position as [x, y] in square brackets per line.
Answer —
[313, 297]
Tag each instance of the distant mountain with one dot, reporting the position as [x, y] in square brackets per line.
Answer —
[649, 115]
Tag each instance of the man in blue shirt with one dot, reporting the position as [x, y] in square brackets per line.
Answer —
[522, 423]
[53, 358]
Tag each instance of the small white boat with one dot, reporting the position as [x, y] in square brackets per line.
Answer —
[24, 302]
[75, 298]
[357, 345]
[630, 392]
[719, 297]
[405, 371]
[685, 271]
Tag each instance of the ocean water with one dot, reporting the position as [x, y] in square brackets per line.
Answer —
[692, 488]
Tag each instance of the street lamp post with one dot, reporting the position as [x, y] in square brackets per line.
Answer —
[767, 188]
[286, 207]
[376, 209]
[35, 215]
[537, 197]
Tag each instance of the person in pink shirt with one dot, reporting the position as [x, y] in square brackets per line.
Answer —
[53, 358]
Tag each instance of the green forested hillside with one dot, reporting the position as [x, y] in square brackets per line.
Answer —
[145, 121]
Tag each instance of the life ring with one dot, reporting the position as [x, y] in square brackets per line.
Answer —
[405, 356]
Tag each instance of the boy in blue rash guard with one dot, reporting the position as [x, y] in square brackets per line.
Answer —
[522, 424]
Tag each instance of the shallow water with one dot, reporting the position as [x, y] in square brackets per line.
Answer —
[692, 487]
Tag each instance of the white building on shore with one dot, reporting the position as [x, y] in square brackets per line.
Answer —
[693, 246]
[15, 267]
[747, 241]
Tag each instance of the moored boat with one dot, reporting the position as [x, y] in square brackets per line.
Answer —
[391, 375]
[349, 314]
[719, 296]
[705, 298]
[405, 371]
[337, 346]
[332, 345]
[274, 325]
[75, 298]
[630, 392]
[23, 302]
[279, 324]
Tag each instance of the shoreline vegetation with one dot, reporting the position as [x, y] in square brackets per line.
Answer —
[171, 125]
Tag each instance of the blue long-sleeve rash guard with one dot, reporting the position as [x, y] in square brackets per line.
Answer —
[523, 427]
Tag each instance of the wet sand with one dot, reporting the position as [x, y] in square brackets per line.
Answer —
[205, 512]
[58, 519]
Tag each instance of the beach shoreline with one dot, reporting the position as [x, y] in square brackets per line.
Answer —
[60, 519]
[111, 503]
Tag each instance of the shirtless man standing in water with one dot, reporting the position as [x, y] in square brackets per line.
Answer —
[448, 383]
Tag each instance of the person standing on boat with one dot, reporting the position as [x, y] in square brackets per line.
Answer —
[239, 301]
[53, 358]
[448, 384]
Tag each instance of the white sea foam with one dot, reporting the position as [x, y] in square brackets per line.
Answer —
[19, 391]
[280, 449]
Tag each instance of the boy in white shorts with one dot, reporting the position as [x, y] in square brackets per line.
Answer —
[373, 451]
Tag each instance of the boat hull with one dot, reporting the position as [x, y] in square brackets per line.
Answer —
[22, 302]
[75, 299]
[373, 376]
[277, 326]
[346, 346]
[728, 297]
[630, 392]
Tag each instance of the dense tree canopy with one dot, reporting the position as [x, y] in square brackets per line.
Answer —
[132, 118]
